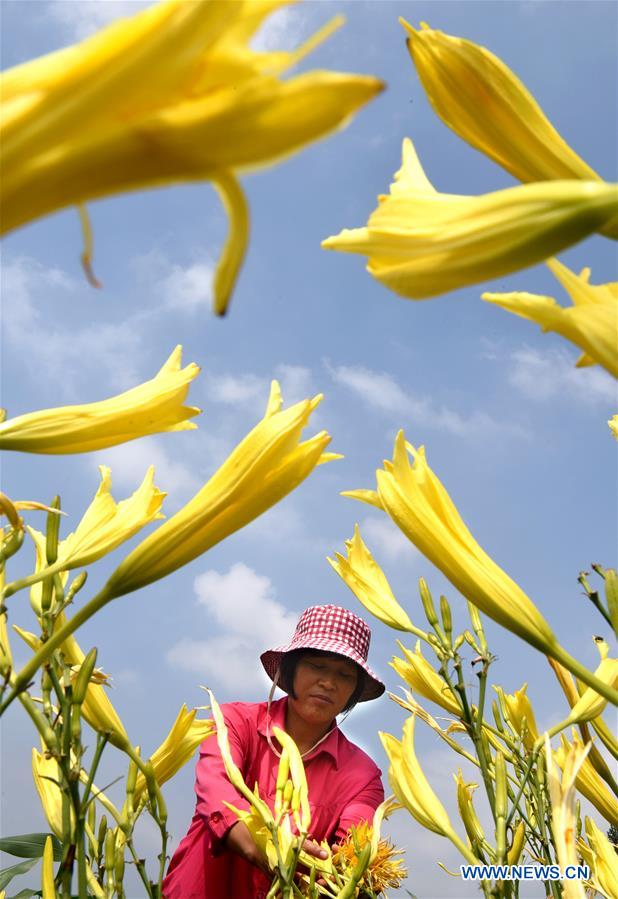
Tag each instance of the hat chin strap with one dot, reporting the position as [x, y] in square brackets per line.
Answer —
[268, 737]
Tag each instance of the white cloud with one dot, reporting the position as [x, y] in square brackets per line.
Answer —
[377, 389]
[280, 31]
[29, 291]
[244, 389]
[188, 288]
[129, 463]
[243, 604]
[380, 391]
[552, 374]
[81, 18]
[385, 540]
[251, 390]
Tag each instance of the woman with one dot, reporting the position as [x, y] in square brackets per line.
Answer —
[324, 672]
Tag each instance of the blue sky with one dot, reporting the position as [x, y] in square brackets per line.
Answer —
[517, 435]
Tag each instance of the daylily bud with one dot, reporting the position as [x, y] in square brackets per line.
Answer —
[447, 619]
[300, 798]
[80, 685]
[102, 830]
[501, 806]
[110, 859]
[611, 585]
[47, 875]
[519, 840]
[467, 811]
[427, 600]
[470, 640]
[368, 583]
[288, 792]
[76, 585]
[282, 779]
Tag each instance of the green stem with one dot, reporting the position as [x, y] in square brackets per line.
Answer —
[475, 727]
[522, 784]
[101, 743]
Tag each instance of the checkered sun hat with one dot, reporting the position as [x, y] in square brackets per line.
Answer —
[332, 629]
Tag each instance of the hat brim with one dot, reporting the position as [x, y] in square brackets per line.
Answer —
[271, 660]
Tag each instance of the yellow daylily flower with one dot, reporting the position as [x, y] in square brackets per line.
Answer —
[417, 502]
[154, 406]
[172, 94]
[476, 94]
[177, 749]
[46, 775]
[369, 584]
[105, 523]
[421, 243]
[412, 789]
[419, 674]
[467, 812]
[588, 781]
[265, 466]
[590, 705]
[563, 814]
[6, 656]
[259, 818]
[409, 783]
[601, 857]
[47, 874]
[384, 870]
[613, 425]
[517, 707]
[591, 323]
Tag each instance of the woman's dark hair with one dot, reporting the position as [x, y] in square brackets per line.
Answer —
[290, 660]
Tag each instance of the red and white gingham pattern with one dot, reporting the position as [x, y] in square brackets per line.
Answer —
[332, 629]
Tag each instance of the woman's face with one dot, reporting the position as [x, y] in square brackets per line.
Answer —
[323, 687]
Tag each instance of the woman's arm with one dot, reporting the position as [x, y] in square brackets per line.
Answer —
[212, 786]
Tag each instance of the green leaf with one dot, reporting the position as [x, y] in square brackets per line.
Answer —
[30, 845]
[7, 874]
[26, 894]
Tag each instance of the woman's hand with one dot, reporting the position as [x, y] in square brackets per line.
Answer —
[314, 849]
[240, 841]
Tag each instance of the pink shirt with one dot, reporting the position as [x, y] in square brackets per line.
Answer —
[344, 788]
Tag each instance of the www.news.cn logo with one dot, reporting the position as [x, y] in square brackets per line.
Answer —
[524, 872]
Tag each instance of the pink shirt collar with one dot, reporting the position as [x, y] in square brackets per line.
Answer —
[278, 711]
